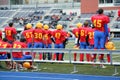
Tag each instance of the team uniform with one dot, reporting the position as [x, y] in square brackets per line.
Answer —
[90, 41]
[38, 39]
[20, 55]
[83, 44]
[64, 40]
[76, 34]
[4, 55]
[47, 42]
[10, 33]
[58, 36]
[28, 35]
[100, 22]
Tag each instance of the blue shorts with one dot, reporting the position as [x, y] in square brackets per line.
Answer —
[3, 56]
[25, 57]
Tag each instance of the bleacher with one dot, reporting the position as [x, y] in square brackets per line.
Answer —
[50, 16]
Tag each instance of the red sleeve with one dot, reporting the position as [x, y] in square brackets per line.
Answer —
[119, 13]
[0, 35]
[108, 29]
[24, 45]
[73, 31]
[14, 31]
[50, 33]
[107, 19]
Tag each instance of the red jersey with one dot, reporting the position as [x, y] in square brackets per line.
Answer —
[28, 34]
[83, 34]
[0, 43]
[47, 37]
[65, 35]
[99, 21]
[90, 33]
[5, 45]
[118, 13]
[76, 32]
[58, 36]
[9, 32]
[0, 35]
[38, 35]
[18, 44]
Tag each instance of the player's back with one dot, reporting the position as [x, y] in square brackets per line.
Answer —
[28, 34]
[90, 33]
[9, 32]
[47, 36]
[99, 21]
[76, 32]
[38, 35]
[58, 34]
[83, 34]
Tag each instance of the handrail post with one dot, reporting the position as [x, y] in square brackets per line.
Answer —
[115, 67]
[70, 54]
[111, 60]
[32, 54]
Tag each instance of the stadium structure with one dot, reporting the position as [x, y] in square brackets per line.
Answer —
[52, 12]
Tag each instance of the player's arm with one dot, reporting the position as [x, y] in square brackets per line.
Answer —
[22, 35]
[87, 38]
[66, 38]
[14, 34]
[106, 30]
[78, 39]
[53, 40]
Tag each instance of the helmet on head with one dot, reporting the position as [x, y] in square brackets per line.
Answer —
[109, 45]
[59, 27]
[46, 27]
[79, 25]
[39, 25]
[28, 26]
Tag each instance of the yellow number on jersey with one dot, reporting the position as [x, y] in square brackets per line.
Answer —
[16, 46]
[91, 35]
[82, 32]
[38, 35]
[97, 23]
[46, 36]
[57, 35]
[76, 34]
[8, 32]
[29, 35]
[4, 45]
